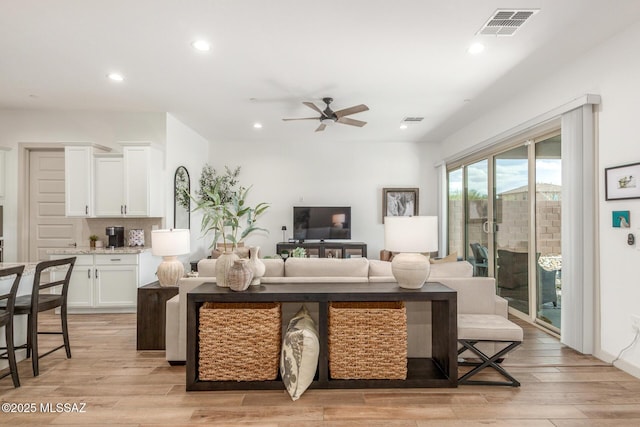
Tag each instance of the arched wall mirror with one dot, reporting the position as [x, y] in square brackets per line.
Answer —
[182, 202]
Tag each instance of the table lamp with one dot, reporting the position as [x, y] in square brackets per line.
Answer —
[338, 220]
[411, 237]
[169, 244]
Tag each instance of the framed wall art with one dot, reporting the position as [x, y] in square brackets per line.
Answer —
[399, 202]
[621, 182]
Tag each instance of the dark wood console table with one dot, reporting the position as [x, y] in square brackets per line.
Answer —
[441, 370]
[152, 300]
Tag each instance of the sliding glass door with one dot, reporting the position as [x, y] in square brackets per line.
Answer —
[504, 218]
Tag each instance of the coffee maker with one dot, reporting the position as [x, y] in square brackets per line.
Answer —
[116, 237]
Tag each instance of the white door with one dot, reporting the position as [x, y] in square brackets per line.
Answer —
[109, 186]
[78, 181]
[136, 180]
[48, 225]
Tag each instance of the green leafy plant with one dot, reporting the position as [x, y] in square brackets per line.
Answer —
[299, 252]
[93, 238]
[225, 212]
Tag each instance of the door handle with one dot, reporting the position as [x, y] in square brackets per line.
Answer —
[485, 227]
[97, 273]
[86, 209]
[125, 209]
[121, 209]
[88, 273]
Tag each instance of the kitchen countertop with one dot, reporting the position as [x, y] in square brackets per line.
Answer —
[101, 251]
[29, 267]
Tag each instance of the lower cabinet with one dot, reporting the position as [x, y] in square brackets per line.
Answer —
[108, 282]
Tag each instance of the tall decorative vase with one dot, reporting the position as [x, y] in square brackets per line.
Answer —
[239, 275]
[223, 264]
[256, 265]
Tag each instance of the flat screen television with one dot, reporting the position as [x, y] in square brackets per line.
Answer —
[321, 223]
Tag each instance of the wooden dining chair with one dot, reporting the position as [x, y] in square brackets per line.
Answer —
[38, 302]
[7, 304]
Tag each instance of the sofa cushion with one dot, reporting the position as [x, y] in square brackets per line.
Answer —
[299, 355]
[326, 267]
[488, 327]
[274, 267]
[452, 257]
[380, 271]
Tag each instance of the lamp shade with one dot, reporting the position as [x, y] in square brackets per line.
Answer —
[411, 233]
[338, 218]
[170, 242]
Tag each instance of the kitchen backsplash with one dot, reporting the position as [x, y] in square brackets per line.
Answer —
[97, 226]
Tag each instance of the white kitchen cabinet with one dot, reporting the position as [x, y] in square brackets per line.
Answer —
[109, 185]
[78, 181]
[116, 285]
[130, 184]
[81, 284]
[108, 281]
[143, 181]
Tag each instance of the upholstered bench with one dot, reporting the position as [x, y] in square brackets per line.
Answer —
[490, 328]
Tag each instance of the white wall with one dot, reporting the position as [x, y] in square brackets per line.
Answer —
[104, 128]
[305, 173]
[185, 148]
[612, 71]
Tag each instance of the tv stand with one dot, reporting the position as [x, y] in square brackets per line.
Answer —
[327, 249]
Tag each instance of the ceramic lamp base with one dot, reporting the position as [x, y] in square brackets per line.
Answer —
[170, 271]
[410, 270]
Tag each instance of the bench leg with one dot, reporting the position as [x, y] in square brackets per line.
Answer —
[487, 361]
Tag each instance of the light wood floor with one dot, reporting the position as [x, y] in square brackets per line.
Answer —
[121, 386]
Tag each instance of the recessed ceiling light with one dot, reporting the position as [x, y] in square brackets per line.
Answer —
[201, 45]
[257, 125]
[116, 77]
[475, 48]
[403, 126]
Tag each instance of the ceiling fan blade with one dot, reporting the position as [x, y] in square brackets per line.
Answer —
[351, 110]
[313, 107]
[321, 127]
[352, 122]
[303, 118]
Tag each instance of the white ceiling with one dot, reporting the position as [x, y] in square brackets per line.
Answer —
[401, 58]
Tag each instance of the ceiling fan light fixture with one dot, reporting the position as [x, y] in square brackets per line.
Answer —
[327, 121]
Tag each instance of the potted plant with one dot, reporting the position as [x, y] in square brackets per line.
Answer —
[92, 240]
[226, 214]
[299, 252]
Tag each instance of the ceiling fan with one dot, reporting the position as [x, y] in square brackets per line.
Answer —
[329, 117]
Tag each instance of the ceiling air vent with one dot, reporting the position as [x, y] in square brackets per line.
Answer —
[505, 22]
[410, 120]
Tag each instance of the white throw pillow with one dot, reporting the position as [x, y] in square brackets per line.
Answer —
[300, 351]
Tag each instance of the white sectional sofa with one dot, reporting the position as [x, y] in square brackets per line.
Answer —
[476, 295]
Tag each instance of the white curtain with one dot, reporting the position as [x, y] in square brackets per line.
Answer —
[579, 187]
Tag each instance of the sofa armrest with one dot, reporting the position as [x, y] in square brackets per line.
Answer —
[502, 307]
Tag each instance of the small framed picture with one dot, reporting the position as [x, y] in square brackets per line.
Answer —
[399, 202]
[620, 219]
[621, 182]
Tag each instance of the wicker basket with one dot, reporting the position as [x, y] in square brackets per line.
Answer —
[368, 340]
[239, 341]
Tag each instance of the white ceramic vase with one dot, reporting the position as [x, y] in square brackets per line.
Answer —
[256, 265]
[223, 264]
[239, 275]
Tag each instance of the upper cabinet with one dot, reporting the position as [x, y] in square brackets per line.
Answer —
[109, 185]
[143, 181]
[78, 180]
[100, 184]
[129, 184]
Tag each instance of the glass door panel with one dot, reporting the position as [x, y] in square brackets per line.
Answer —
[511, 239]
[476, 216]
[548, 227]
